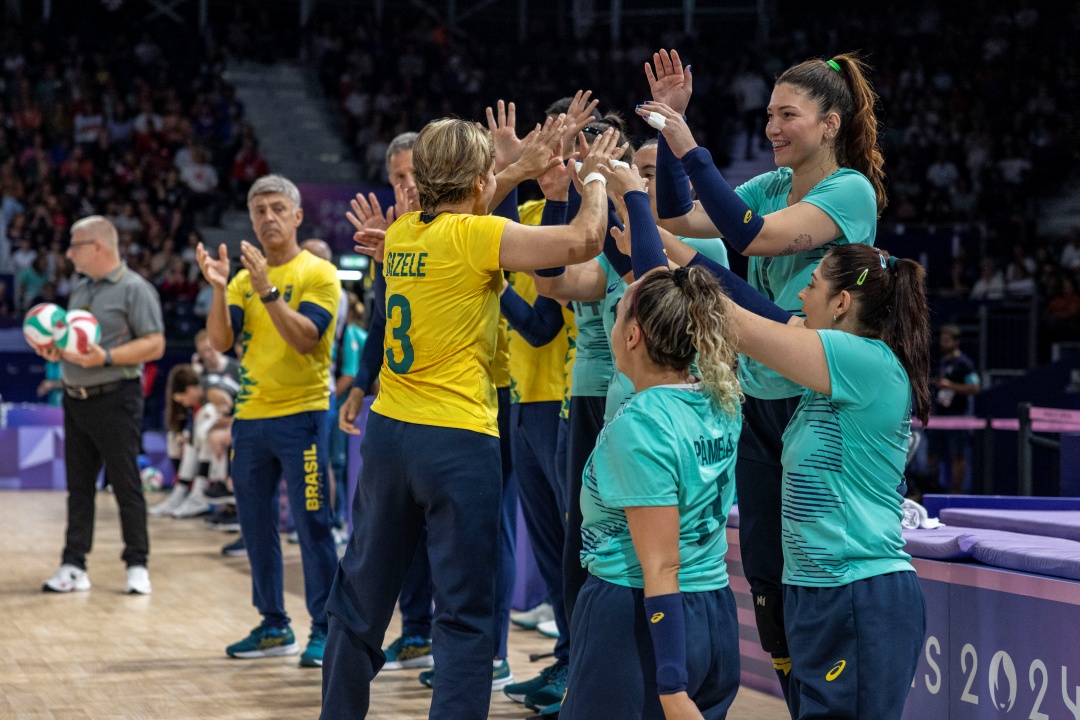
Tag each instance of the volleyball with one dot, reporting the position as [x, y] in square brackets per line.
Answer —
[44, 323]
[82, 330]
[152, 479]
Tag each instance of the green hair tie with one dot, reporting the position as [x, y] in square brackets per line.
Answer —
[835, 66]
[862, 277]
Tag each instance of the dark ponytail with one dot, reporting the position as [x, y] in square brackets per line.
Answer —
[890, 301]
[849, 93]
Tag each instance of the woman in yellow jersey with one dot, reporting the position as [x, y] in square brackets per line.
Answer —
[431, 449]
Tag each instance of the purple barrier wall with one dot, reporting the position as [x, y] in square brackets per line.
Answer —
[998, 644]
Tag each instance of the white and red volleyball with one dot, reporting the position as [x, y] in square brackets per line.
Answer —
[82, 330]
[44, 323]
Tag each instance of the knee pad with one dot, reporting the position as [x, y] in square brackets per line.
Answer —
[769, 613]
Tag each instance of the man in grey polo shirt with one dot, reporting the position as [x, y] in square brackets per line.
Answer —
[103, 402]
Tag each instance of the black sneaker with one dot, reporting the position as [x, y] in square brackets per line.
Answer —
[218, 492]
[235, 549]
[225, 520]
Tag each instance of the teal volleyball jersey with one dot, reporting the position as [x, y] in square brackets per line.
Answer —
[848, 198]
[843, 461]
[668, 446]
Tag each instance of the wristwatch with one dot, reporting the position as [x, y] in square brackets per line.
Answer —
[108, 358]
[271, 296]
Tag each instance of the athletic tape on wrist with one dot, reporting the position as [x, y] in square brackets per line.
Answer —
[594, 176]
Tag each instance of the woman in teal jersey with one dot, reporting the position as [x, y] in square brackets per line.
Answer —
[853, 610]
[827, 191]
[655, 631]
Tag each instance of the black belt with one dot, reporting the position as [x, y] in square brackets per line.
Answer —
[83, 393]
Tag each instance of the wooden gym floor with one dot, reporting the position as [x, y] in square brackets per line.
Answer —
[101, 654]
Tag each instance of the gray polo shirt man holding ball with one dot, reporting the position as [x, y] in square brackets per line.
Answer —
[103, 402]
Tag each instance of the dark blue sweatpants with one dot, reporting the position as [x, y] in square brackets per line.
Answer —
[534, 436]
[413, 475]
[507, 573]
[586, 421]
[854, 648]
[416, 598]
[612, 665]
[264, 451]
[759, 479]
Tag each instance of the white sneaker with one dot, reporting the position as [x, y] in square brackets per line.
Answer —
[531, 618]
[195, 503]
[66, 579]
[548, 628]
[138, 580]
[166, 506]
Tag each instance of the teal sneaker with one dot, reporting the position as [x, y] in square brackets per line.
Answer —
[313, 653]
[553, 677]
[265, 642]
[409, 652]
[500, 676]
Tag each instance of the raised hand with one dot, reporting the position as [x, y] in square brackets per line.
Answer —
[543, 149]
[676, 132]
[578, 115]
[670, 83]
[367, 213]
[601, 152]
[405, 201]
[622, 238]
[555, 183]
[255, 263]
[508, 147]
[371, 242]
[621, 179]
[216, 271]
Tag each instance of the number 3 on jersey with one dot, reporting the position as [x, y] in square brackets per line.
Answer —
[400, 333]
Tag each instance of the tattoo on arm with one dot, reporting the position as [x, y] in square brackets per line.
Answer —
[800, 244]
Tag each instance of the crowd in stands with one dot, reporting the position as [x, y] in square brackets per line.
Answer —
[146, 133]
[978, 110]
[978, 126]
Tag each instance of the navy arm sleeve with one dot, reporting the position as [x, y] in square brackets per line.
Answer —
[647, 249]
[729, 213]
[538, 323]
[508, 208]
[318, 315]
[555, 213]
[371, 358]
[236, 319]
[740, 291]
[615, 256]
[673, 195]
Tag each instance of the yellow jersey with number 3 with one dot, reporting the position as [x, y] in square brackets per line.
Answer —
[442, 320]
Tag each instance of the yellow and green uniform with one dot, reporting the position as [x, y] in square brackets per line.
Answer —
[275, 379]
[442, 290]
